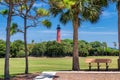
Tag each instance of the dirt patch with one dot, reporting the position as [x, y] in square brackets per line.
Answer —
[87, 76]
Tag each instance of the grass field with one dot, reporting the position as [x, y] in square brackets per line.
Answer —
[17, 65]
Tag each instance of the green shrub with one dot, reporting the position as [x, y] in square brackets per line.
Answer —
[21, 53]
[2, 48]
[16, 47]
[114, 52]
[55, 49]
[67, 49]
[38, 50]
[83, 52]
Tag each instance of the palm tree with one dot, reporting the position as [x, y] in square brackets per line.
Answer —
[77, 11]
[119, 32]
[118, 7]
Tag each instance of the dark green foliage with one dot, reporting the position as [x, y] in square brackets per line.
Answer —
[2, 48]
[55, 49]
[47, 23]
[13, 29]
[115, 53]
[21, 53]
[83, 48]
[17, 49]
[96, 44]
[52, 49]
[39, 49]
[4, 12]
[65, 48]
[83, 52]
[111, 52]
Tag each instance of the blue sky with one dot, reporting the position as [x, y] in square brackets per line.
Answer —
[105, 30]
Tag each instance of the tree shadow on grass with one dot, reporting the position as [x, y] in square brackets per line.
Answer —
[1, 77]
[21, 76]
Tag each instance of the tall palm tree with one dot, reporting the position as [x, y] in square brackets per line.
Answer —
[6, 71]
[118, 5]
[77, 11]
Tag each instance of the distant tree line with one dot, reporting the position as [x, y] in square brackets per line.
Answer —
[54, 49]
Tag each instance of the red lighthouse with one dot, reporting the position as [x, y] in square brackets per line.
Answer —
[58, 34]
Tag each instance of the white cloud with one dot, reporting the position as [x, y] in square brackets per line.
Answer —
[96, 27]
[66, 33]
[99, 27]
[108, 14]
[91, 33]
[98, 33]
[48, 31]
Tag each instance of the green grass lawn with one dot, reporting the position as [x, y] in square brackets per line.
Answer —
[17, 65]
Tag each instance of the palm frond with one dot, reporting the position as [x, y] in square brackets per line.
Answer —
[91, 14]
[57, 3]
[101, 3]
[54, 11]
[23, 7]
[42, 12]
[56, 7]
[69, 3]
[13, 28]
[47, 23]
[87, 9]
[65, 17]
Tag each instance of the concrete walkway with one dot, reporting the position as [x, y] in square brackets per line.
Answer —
[45, 76]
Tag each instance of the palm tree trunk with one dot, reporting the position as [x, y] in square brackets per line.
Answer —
[6, 71]
[25, 45]
[119, 33]
[75, 65]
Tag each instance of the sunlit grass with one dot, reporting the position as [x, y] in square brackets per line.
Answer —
[17, 65]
